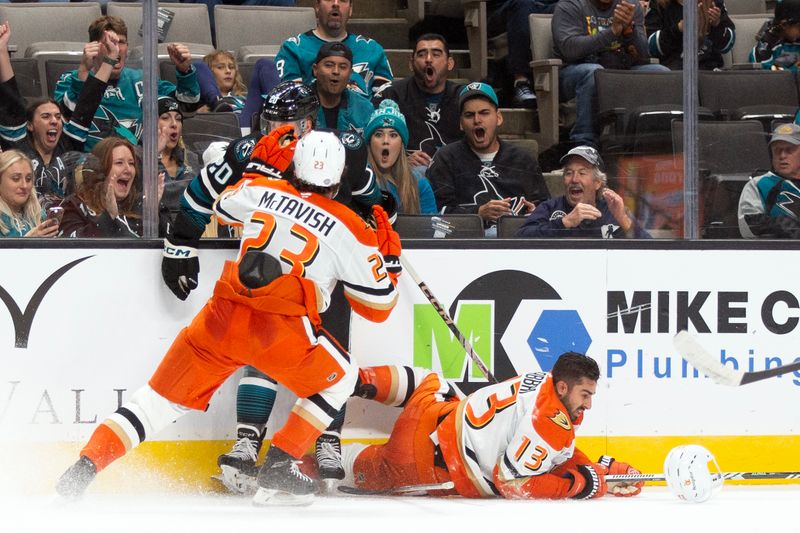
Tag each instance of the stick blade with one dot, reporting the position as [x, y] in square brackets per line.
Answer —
[698, 357]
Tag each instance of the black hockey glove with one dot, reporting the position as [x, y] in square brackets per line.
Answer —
[180, 266]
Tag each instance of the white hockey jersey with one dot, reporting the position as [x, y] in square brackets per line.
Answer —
[519, 426]
[313, 237]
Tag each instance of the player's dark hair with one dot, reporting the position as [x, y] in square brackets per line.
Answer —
[107, 22]
[432, 37]
[571, 367]
[302, 186]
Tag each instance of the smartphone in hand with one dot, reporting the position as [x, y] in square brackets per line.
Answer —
[55, 213]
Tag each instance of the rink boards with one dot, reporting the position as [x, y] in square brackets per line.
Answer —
[82, 328]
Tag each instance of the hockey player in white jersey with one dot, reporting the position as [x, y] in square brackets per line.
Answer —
[514, 439]
[297, 242]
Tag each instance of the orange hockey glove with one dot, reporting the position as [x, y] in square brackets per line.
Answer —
[589, 481]
[388, 243]
[621, 488]
[273, 154]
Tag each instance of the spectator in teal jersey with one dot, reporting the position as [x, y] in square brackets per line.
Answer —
[371, 69]
[778, 41]
[21, 215]
[387, 135]
[341, 107]
[120, 110]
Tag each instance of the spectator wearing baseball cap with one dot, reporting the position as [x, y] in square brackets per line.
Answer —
[482, 174]
[178, 164]
[769, 206]
[341, 107]
[387, 136]
[427, 99]
[587, 209]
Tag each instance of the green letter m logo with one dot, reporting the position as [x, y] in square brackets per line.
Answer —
[433, 338]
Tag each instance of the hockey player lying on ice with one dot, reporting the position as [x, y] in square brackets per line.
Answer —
[514, 439]
[296, 244]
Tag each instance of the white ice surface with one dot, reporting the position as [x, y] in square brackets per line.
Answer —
[733, 509]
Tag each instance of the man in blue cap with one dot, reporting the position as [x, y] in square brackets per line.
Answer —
[482, 174]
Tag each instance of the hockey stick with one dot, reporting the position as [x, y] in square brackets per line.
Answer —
[447, 320]
[703, 361]
[724, 475]
[406, 489]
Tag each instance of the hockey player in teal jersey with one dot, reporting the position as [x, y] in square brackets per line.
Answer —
[371, 69]
[120, 110]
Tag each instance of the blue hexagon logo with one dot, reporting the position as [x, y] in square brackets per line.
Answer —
[556, 332]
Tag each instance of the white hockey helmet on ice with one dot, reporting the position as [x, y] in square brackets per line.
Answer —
[687, 473]
[319, 159]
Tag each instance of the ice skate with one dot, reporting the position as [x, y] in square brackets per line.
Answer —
[74, 481]
[280, 481]
[239, 466]
[329, 461]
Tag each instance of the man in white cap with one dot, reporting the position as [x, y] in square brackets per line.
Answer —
[769, 206]
[587, 209]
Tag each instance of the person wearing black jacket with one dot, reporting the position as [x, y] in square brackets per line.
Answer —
[589, 209]
[55, 147]
[428, 100]
[482, 174]
[664, 25]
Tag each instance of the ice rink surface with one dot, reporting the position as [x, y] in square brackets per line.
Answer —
[733, 509]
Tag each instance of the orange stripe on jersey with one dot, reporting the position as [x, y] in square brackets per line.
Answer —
[363, 233]
[370, 310]
[521, 450]
[550, 418]
[494, 406]
[304, 257]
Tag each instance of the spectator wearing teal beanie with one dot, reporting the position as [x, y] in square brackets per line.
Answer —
[387, 135]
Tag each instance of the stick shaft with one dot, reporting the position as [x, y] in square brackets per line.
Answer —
[691, 350]
[447, 320]
[725, 475]
[750, 377]
[397, 490]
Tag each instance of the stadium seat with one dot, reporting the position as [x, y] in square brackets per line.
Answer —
[741, 7]
[35, 22]
[421, 227]
[545, 79]
[29, 79]
[635, 110]
[728, 153]
[190, 24]
[507, 226]
[202, 129]
[54, 68]
[749, 95]
[261, 29]
[747, 27]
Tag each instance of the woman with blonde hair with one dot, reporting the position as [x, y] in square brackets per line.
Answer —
[108, 202]
[387, 136]
[21, 215]
[221, 85]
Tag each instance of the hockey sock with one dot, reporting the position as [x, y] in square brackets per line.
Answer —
[255, 399]
[390, 385]
[104, 447]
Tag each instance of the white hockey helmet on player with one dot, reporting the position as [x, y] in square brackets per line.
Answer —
[319, 159]
[687, 473]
